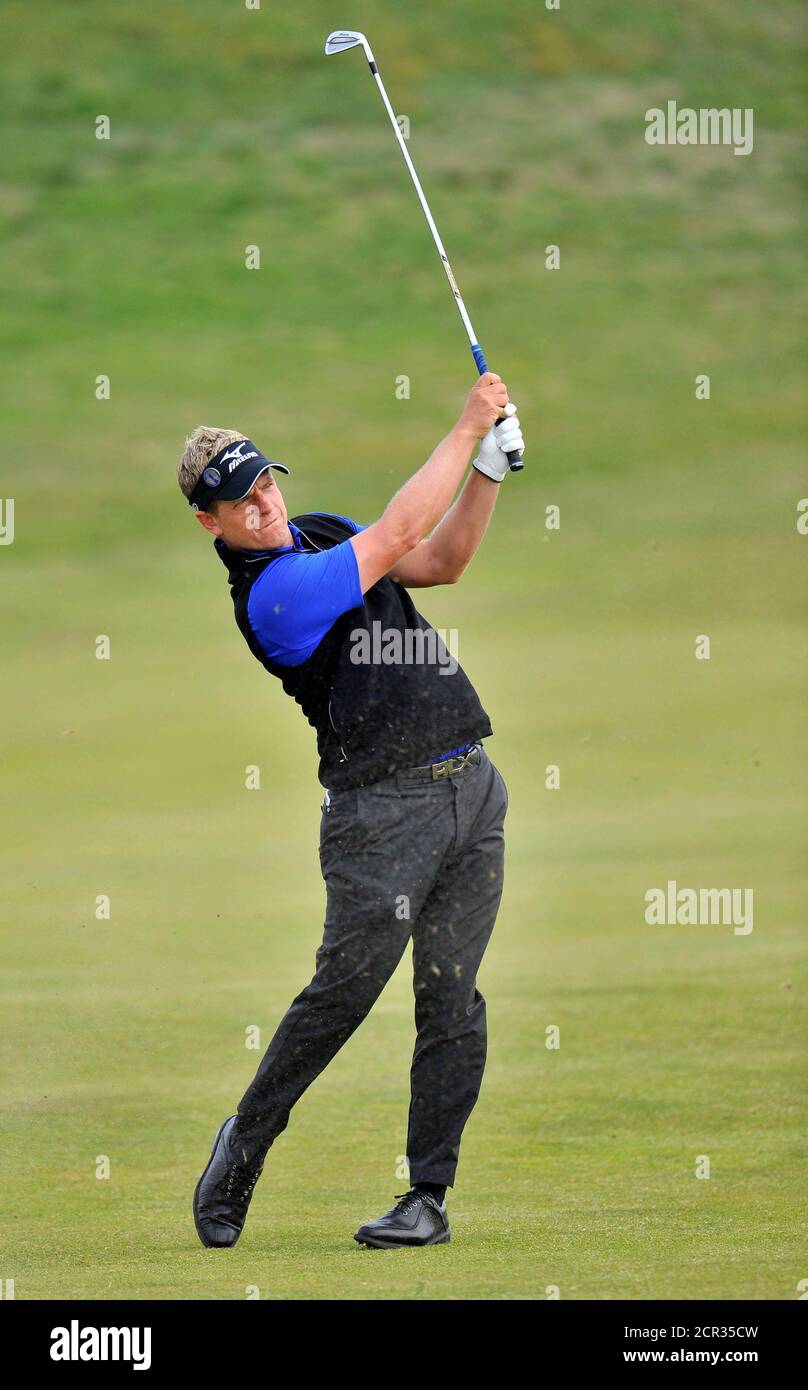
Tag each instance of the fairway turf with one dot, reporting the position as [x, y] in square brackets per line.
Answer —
[126, 1038]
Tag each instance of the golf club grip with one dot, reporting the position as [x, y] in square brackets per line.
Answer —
[514, 456]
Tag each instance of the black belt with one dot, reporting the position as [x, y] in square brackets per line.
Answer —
[430, 772]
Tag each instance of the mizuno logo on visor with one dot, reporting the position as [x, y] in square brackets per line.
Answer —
[236, 456]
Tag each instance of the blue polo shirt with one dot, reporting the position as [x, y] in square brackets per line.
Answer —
[297, 598]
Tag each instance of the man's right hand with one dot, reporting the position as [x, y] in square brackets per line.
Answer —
[419, 505]
[485, 404]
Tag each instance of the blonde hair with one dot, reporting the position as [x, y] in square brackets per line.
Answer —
[200, 447]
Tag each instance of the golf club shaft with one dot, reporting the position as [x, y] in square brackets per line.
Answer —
[515, 456]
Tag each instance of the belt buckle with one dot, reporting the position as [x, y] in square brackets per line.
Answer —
[442, 769]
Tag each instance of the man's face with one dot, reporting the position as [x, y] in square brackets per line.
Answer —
[258, 521]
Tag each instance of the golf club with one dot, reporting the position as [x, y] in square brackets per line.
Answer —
[337, 42]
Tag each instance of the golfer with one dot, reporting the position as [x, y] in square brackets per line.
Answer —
[411, 835]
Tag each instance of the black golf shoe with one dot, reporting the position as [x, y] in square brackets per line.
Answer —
[416, 1219]
[223, 1192]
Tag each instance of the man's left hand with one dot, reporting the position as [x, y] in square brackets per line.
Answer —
[495, 446]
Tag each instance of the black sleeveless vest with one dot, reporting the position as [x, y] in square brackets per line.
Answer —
[373, 717]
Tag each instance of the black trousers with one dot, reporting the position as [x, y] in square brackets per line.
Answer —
[401, 858]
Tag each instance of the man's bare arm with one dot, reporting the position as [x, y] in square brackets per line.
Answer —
[423, 500]
[443, 556]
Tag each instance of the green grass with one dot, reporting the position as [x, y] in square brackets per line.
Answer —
[126, 1038]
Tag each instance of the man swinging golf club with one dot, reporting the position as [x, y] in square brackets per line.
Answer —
[411, 835]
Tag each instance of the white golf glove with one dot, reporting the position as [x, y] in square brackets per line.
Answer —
[492, 459]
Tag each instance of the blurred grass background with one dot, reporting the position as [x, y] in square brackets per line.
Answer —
[678, 517]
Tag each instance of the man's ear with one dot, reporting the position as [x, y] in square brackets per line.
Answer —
[208, 520]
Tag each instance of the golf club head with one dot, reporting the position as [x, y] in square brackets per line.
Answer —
[341, 39]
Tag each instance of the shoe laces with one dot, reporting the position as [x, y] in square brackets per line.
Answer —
[240, 1182]
[407, 1199]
